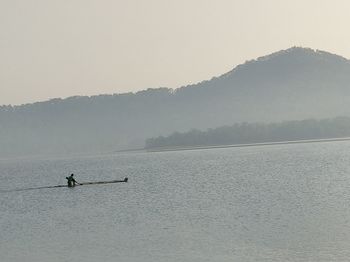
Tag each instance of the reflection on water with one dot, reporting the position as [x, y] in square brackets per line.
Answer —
[268, 203]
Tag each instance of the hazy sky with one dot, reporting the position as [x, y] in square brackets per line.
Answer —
[51, 48]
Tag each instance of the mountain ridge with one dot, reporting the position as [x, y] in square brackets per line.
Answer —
[292, 84]
[265, 58]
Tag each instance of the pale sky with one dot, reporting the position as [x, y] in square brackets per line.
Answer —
[61, 48]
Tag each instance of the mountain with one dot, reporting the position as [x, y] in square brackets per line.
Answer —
[293, 84]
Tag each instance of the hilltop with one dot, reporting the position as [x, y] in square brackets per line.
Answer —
[293, 84]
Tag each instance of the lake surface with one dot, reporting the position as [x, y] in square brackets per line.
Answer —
[265, 203]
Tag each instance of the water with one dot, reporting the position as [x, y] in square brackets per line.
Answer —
[267, 203]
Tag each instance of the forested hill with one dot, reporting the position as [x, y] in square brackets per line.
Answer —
[251, 133]
[292, 84]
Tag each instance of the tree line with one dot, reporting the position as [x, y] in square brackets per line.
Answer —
[246, 133]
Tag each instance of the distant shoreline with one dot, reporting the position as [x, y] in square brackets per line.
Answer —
[166, 149]
[170, 149]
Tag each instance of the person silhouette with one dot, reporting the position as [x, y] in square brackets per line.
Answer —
[71, 181]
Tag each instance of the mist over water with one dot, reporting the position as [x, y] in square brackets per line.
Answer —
[268, 203]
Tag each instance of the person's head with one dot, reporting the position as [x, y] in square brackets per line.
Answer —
[72, 175]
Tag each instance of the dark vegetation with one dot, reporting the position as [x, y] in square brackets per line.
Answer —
[293, 84]
[245, 133]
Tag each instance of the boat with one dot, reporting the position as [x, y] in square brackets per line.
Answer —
[125, 180]
[103, 182]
